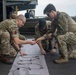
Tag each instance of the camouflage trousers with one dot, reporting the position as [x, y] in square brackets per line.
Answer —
[64, 40]
[5, 44]
[48, 44]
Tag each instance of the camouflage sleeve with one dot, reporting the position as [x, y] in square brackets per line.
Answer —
[51, 30]
[37, 33]
[62, 22]
[48, 24]
[22, 37]
[14, 31]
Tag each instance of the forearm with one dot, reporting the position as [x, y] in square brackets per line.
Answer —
[18, 41]
[17, 46]
[40, 45]
[47, 36]
[25, 42]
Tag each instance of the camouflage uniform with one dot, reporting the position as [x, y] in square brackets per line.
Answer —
[66, 34]
[8, 30]
[22, 37]
[38, 33]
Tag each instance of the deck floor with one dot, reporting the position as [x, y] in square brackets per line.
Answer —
[54, 69]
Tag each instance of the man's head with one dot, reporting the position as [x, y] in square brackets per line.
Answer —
[42, 24]
[50, 10]
[20, 20]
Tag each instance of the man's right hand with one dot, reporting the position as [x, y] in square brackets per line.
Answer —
[43, 52]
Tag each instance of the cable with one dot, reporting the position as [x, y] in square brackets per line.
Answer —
[31, 58]
[30, 61]
[41, 67]
[13, 71]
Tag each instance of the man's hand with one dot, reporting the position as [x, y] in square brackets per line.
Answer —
[49, 35]
[22, 53]
[43, 52]
[53, 51]
[40, 39]
[32, 42]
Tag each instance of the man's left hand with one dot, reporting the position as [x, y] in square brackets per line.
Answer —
[22, 53]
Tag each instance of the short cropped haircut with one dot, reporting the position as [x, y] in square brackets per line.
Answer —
[21, 17]
[49, 8]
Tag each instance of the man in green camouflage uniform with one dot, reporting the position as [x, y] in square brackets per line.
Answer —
[40, 30]
[9, 34]
[66, 32]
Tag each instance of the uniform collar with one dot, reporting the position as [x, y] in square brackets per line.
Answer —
[56, 18]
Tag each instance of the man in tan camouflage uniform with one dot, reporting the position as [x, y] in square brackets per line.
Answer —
[40, 30]
[66, 32]
[13, 15]
[9, 34]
